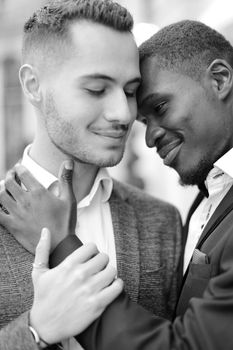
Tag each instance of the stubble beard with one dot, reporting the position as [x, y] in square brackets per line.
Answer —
[197, 175]
[61, 135]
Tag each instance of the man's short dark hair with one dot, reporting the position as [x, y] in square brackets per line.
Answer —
[187, 47]
[52, 22]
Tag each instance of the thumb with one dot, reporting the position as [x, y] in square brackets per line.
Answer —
[41, 261]
[66, 191]
[65, 180]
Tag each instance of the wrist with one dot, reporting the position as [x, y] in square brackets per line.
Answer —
[41, 343]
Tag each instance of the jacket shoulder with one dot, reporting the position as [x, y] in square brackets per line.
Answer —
[141, 200]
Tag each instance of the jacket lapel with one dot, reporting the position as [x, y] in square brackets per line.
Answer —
[126, 241]
[196, 202]
[223, 209]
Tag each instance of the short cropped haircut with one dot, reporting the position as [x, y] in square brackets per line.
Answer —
[52, 22]
[186, 47]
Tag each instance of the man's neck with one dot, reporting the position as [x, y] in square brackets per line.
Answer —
[50, 158]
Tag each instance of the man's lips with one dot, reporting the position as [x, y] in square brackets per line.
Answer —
[169, 151]
[114, 134]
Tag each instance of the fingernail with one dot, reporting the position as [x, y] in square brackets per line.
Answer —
[69, 164]
[44, 233]
[19, 168]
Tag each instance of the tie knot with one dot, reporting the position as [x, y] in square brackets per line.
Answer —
[203, 189]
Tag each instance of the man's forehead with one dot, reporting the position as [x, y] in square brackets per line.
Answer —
[155, 74]
[99, 50]
[89, 38]
[150, 64]
[90, 33]
[150, 76]
[158, 81]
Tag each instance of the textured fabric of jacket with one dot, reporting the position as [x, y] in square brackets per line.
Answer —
[147, 237]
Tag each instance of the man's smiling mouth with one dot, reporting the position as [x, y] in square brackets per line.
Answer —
[169, 151]
[113, 134]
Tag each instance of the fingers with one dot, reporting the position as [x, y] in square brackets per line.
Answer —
[66, 172]
[26, 178]
[97, 264]
[6, 219]
[12, 185]
[7, 202]
[110, 293]
[65, 179]
[66, 192]
[81, 255]
[104, 278]
[41, 261]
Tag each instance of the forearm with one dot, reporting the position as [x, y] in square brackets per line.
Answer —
[126, 326]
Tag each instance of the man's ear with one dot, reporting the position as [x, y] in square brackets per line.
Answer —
[221, 77]
[29, 80]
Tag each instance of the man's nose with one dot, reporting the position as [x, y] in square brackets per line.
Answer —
[118, 109]
[153, 134]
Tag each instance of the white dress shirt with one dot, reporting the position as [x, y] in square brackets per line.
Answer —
[218, 183]
[94, 221]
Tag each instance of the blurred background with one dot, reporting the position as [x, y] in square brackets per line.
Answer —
[141, 166]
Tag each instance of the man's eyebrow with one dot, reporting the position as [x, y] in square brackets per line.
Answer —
[150, 98]
[106, 77]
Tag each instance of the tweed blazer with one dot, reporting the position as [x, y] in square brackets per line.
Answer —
[147, 237]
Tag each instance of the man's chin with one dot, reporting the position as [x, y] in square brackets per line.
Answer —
[184, 182]
[195, 177]
[109, 161]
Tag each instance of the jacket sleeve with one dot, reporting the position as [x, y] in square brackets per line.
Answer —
[17, 336]
[206, 325]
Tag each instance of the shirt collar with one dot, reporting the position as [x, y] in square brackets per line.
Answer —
[42, 175]
[225, 163]
[222, 173]
[103, 181]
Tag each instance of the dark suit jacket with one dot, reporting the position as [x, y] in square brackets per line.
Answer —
[147, 236]
[205, 309]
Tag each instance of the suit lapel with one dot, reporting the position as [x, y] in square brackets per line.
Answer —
[127, 243]
[223, 209]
